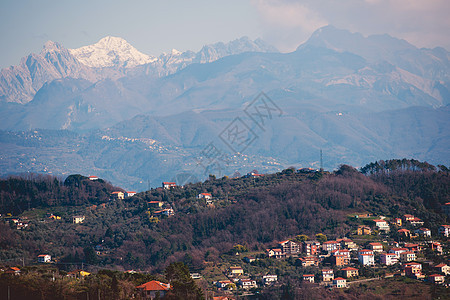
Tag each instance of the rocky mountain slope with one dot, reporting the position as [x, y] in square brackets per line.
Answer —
[356, 98]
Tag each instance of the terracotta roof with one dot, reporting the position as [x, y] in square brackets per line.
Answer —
[445, 226]
[436, 275]
[349, 269]
[206, 194]
[339, 278]
[375, 244]
[308, 275]
[169, 183]
[440, 265]
[154, 286]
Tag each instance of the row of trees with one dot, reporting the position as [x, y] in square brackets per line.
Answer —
[19, 193]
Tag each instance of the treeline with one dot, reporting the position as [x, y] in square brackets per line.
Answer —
[279, 206]
[47, 283]
[255, 212]
[20, 193]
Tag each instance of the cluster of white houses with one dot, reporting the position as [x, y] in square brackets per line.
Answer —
[342, 253]
[237, 279]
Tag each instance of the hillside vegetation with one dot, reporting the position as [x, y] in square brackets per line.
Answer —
[254, 212]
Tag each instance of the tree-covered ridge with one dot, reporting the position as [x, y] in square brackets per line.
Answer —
[20, 193]
[254, 212]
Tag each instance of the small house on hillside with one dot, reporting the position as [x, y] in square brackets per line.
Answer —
[350, 272]
[78, 219]
[364, 230]
[93, 178]
[235, 271]
[117, 195]
[44, 258]
[340, 282]
[168, 185]
[151, 289]
[130, 194]
[206, 196]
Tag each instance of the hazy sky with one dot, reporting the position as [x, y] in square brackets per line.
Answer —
[156, 26]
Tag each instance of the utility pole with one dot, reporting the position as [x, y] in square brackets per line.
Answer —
[321, 160]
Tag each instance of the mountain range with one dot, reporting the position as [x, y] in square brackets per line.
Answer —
[357, 98]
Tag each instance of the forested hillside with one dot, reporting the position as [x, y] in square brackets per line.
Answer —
[254, 212]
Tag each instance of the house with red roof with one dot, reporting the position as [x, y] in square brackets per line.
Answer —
[416, 222]
[398, 251]
[327, 274]
[13, 271]
[308, 278]
[93, 178]
[437, 278]
[388, 258]
[130, 194]
[309, 261]
[44, 258]
[408, 217]
[407, 256]
[381, 224]
[347, 244]
[442, 268]
[350, 272]
[376, 247]
[206, 196]
[117, 195]
[151, 289]
[289, 247]
[168, 185]
[330, 246]
[275, 253]
[366, 257]
[340, 282]
[425, 232]
[413, 247]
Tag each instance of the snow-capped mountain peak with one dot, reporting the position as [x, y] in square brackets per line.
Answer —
[111, 52]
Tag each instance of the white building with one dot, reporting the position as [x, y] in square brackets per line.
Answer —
[340, 282]
[388, 259]
[44, 258]
[407, 256]
[268, 279]
[247, 283]
[366, 257]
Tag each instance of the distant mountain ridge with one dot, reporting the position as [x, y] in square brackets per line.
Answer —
[357, 98]
[110, 58]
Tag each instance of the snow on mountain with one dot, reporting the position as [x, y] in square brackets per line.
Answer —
[20, 83]
[111, 52]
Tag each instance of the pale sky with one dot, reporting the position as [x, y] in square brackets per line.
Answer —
[154, 26]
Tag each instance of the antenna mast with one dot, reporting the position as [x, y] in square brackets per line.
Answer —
[321, 160]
